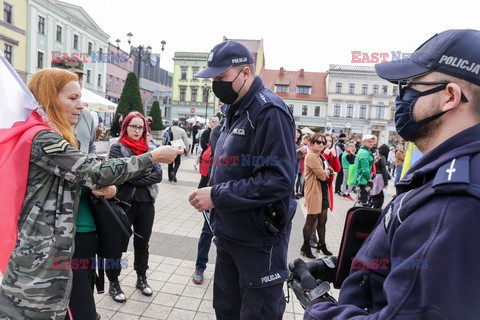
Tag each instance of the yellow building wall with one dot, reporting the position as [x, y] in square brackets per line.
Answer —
[16, 31]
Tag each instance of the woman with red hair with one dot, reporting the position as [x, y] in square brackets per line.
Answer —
[43, 172]
[140, 193]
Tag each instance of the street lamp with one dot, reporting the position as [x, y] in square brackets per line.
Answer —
[141, 53]
[206, 92]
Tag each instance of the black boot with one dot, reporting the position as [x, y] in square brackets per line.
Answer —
[307, 251]
[143, 286]
[323, 248]
[116, 291]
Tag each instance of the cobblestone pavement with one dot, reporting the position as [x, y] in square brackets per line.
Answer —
[173, 249]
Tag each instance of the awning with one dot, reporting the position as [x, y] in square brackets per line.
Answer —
[94, 102]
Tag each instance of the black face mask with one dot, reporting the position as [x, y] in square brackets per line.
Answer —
[404, 122]
[223, 90]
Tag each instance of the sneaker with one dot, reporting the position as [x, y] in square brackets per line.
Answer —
[198, 277]
[173, 177]
[349, 197]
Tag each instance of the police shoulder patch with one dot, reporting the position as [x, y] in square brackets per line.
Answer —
[56, 147]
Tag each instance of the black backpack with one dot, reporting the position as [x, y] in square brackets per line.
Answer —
[167, 136]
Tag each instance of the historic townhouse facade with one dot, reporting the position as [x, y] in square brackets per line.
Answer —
[13, 39]
[304, 92]
[60, 28]
[359, 102]
[193, 96]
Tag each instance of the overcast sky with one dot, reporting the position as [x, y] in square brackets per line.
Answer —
[297, 34]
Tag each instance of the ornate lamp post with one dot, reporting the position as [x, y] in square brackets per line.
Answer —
[141, 53]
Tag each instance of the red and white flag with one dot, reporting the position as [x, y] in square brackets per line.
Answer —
[16, 101]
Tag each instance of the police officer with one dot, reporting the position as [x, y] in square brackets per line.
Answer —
[251, 193]
[429, 233]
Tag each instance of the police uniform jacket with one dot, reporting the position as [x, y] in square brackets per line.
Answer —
[421, 262]
[254, 166]
[38, 279]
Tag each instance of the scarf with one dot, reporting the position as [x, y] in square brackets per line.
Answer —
[137, 147]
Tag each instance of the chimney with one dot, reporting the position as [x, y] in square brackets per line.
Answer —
[281, 73]
[302, 73]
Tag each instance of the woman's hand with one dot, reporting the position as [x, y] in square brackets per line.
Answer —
[107, 192]
[165, 154]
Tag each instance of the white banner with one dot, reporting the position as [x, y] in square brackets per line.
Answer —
[16, 101]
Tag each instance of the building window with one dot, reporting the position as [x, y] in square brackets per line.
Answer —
[100, 52]
[280, 88]
[303, 90]
[89, 73]
[291, 107]
[304, 110]
[39, 60]
[317, 111]
[7, 12]
[194, 94]
[194, 70]
[385, 90]
[336, 110]
[395, 91]
[375, 89]
[351, 88]
[90, 48]
[183, 73]
[99, 80]
[41, 25]
[7, 52]
[75, 41]
[59, 34]
[364, 88]
[338, 87]
[380, 111]
[109, 84]
[183, 91]
[363, 112]
[349, 110]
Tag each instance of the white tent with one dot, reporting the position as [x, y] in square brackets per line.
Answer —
[307, 130]
[195, 119]
[94, 102]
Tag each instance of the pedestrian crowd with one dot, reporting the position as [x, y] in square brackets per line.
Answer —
[63, 193]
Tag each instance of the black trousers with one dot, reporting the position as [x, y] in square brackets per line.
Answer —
[82, 303]
[141, 216]
[173, 167]
[339, 182]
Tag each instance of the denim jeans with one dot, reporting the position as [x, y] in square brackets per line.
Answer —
[204, 243]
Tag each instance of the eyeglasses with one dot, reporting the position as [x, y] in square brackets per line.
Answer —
[321, 142]
[214, 121]
[405, 87]
[136, 128]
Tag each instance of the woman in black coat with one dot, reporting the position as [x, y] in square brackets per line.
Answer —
[140, 194]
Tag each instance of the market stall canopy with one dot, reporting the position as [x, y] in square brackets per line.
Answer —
[94, 102]
[307, 130]
[195, 119]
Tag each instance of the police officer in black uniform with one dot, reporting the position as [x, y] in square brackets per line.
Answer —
[252, 188]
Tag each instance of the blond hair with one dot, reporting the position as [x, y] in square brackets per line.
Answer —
[45, 86]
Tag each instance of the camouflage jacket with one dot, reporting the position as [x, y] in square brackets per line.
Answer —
[38, 280]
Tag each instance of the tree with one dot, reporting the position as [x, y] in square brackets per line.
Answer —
[156, 115]
[130, 99]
